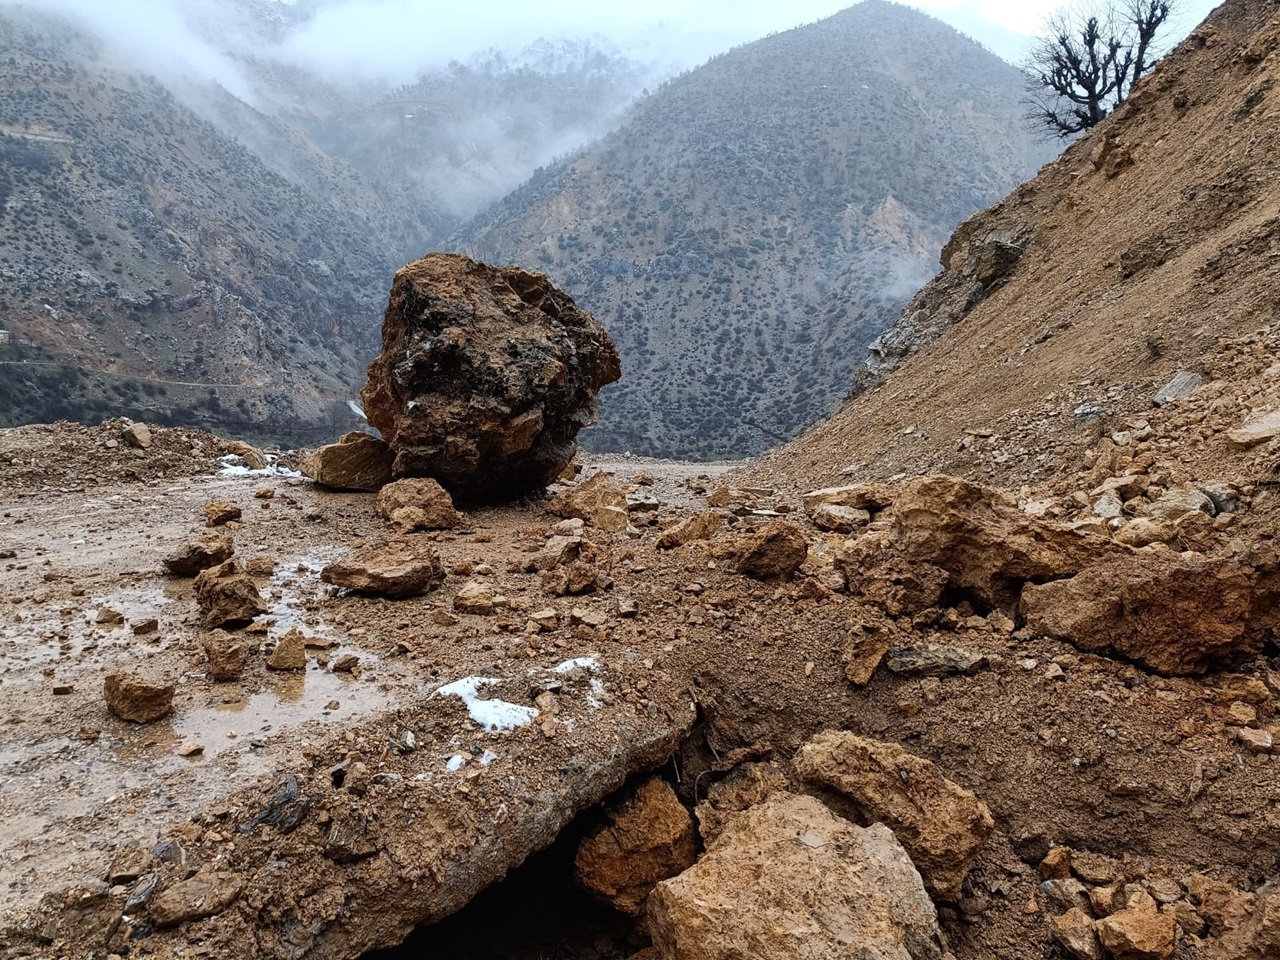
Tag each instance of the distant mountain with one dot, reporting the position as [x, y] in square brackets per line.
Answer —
[753, 225]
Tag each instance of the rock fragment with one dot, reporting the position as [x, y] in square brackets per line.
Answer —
[476, 597]
[789, 879]
[227, 596]
[137, 435]
[206, 894]
[744, 787]
[486, 375]
[597, 501]
[417, 503]
[935, 660]
[773, 553]
[648, 839]
[701, 526]
[1181, 384]
[200, 553]
[1257, 429]
[1074, 932]
[290, 652]
[226, 653]
[133, 698]
[218, 513]
[358, 461]
[942, 825]
[1138, 934]
[398, 568]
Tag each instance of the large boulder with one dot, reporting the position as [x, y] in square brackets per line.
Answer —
[1177, 614]
[486, 376]
[358, 461]
[133, 698]
[788, 879]
[648, 839]
[942, 825]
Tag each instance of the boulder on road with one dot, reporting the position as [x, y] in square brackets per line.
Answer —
[200, 553]
[789, 879]
[773, 553]
[486, 375]
[358, 461]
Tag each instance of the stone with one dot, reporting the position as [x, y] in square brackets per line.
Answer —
[137, 435]
[1074, 932]
[788, 879]
[878, 574]
[701, 526]
[941, 824]
[108, 617]
[130, 863]
[218, 513]
[1144, 531]
[226, 653]
[839, 518]
[1093, 867]
[1056, 864]
[773, 553]
[417, 503]
[745, 786]
[869, 497]
[935, 660]
[206, 894]
[486, 375]
[986, 544]
[476, 596]
[1179, 502]
[1176, 614]
[132, 698]
[865, 649]
[1182, 384]
[249, 455]
[227, 596]
[1062, 894]
[648, 839]
[1257, 429]
[290, 652]
[397, 568]
[598, 501]
[572, 580]
[1255, 741]
[358, 461]
[1137, 934]
[200, 553]
[557, 551]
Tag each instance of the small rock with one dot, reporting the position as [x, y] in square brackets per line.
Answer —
[1182, 384]
[1062, 894]
[474, 597]
[347, 663]
[201, 553]
[417, 503]
[143, 627]
[132, 698]
[935, 660]
[228, 596]
[227, 655]
[249, 455]
[1257, 429]
[774, 553]
[1144, 531]
[218, 513]
[1181, 501]
[598, 501]
[1074, 932]
[1255, 741]
[1057, 864]
[839, 518]
[1138, 934]
[108, 617]
[290, 652]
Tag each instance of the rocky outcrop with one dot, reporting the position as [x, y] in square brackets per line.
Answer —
[398, 568]
[650, 838]
[942, 825]
[358, 461]
[790, 879]
[486, 376]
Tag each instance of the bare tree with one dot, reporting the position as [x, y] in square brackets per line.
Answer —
[1086, 63]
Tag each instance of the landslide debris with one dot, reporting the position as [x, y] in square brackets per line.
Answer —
[486, 375]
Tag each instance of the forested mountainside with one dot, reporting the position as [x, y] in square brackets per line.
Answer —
[754, 224]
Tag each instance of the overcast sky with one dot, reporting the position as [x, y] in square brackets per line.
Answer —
[396, 39]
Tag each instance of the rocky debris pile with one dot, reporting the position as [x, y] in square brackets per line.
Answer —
[358, 461]
[648, 839]
[942, 825]
[485, 378]
[788, 878]
[407, 567]
[136, 699]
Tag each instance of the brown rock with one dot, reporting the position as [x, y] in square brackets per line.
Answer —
[788, 879]
[837, 518]
[476, 596]
[290, 652]
[417, 503]
[132, 698]
[486, 376]
[744, 787]
[397, 568]
[137, 435]
[1144, 531]
[249, 455]
[1057, 864]
[558, 550]
[228, 596]
[871, 497]
[646, 840]
[941, 824]
[868, 643]
[1175, 614]
[206, 894]
[218, 513]
[773, 553]
[597, 501]
[358, 461]
[1074, 932]
[227, 654]
[201, 553]
[701, 526]
[1138, 934]
[877, 573]
[985, 543]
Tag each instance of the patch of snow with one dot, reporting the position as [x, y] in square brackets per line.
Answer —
[233, 466]
[455, 763]
[586, 663]
[493, 715]
[487, 758]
